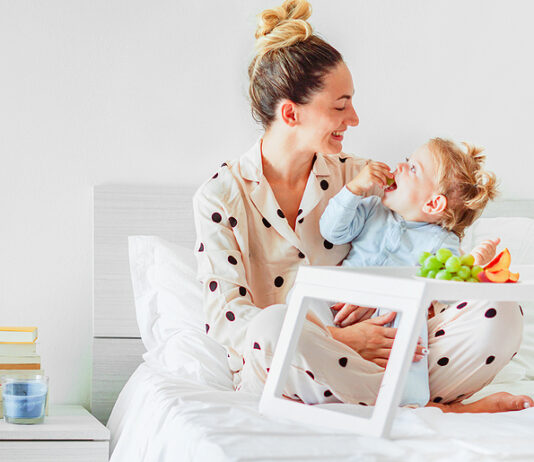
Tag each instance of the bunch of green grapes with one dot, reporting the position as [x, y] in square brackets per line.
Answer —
[448, 267]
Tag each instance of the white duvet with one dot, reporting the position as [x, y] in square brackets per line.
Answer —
[162, 417]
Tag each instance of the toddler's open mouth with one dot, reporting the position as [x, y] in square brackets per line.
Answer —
[392, 186]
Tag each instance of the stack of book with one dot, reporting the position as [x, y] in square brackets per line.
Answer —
[18, 355]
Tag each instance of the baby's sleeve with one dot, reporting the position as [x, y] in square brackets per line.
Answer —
[345, 215]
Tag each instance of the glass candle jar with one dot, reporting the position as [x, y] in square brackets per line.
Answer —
[24, 399]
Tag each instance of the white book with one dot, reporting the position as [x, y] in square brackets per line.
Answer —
[18, 349]
[18, 334]
[30, 359]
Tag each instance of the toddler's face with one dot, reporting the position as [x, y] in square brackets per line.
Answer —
[414, 186]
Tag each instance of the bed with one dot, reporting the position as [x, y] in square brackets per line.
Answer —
[162, 385]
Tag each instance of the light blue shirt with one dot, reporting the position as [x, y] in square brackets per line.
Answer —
[381, 237]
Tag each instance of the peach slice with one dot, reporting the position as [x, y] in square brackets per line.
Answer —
[514, 277]
[494, 276]
[500, 262]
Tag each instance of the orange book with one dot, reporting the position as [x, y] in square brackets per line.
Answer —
[25, 367]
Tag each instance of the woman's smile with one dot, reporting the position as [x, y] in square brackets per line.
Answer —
[338, 135]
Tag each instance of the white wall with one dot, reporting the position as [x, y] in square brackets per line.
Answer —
[139, 91]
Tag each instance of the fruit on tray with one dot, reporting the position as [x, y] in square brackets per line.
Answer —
[448, 267]
[500, 262]
[498, 276]
[497, 270]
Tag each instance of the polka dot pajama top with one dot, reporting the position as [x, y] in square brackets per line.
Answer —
[248, 257]
[247, 253]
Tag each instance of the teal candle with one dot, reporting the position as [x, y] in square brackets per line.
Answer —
[24, 400]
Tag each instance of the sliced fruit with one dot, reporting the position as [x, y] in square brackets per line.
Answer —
[500, 262]
[514, 277]
[494, 276]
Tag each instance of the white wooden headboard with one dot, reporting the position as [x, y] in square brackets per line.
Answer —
[166, 211]
[121, 211]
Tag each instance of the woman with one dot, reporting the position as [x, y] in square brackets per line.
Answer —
[257, 221]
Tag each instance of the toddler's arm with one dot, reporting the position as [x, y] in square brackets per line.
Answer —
[345, 216]
[346, 213]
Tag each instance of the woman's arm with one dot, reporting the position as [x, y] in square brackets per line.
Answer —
[371, 340]
[228, 302]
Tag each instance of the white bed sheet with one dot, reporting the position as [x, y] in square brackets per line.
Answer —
[162, 417]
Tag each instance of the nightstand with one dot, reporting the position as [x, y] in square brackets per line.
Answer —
[69, 433]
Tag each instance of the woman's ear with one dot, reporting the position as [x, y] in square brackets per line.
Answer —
[288, 112]
[435, 205]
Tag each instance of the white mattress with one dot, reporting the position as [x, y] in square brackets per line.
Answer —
[162, 417]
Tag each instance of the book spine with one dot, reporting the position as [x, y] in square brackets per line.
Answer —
[21, 373]
[12, 349]
[19, 367]
[10, 359]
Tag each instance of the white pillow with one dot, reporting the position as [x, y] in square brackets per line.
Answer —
[168, 302]
[517, 234]
[168, 296]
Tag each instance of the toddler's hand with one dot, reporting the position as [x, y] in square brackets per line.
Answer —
[374, 173]
[485, 251]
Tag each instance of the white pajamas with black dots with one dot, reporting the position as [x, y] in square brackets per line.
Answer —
[248, 257]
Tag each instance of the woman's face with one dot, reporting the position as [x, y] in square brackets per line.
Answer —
[324, 120]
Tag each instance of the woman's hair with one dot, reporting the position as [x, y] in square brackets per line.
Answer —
[463, 181]
[290, 63]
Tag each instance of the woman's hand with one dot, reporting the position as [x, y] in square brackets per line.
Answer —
[374, 173]
[485, 251]
[371, 340]
[351, 314]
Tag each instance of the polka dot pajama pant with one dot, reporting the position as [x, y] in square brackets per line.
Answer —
[469, 343]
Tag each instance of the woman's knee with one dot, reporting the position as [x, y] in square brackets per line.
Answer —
[264, 329]
[496, 324]
[470, 347]
[478, 322]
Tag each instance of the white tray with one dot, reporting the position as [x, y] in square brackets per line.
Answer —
[395, 288]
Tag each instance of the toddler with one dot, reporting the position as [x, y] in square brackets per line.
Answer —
[432, 197]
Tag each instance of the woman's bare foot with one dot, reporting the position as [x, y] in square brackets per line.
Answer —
[498, 402]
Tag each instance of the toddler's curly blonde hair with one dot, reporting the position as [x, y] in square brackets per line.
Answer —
[463, 181]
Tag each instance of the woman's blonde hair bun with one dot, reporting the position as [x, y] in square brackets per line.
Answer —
[283, 26]
[291, 62]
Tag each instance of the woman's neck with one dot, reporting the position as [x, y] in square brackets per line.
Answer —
[282, 161]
